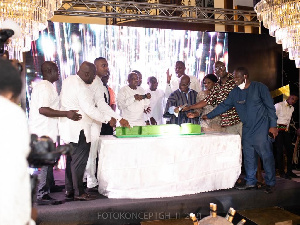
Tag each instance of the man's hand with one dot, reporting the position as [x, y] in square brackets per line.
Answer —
[148, 95]
[138, 97]
[112, 122]
[148, 110]
[274, 131]
[204, 117]
[186, 108]
[176, 110]
[169, 76]
[124, 123]
[192, 115]
[153, 121]
[73, 115]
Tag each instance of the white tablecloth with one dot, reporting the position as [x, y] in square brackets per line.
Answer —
[153, 167]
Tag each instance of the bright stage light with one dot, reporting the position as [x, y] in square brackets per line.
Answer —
[48, 47]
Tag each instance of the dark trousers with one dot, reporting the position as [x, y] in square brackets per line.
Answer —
[284, 139]
[106, 129]
[46, 180]
[251, 151]
[75, 165]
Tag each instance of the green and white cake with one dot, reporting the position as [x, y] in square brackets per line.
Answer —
[189, 128]
[158, 130]
[164, 129]
[124, 131]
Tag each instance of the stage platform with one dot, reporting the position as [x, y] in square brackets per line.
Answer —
[134, 211]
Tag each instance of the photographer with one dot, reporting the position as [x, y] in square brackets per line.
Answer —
[15, 204]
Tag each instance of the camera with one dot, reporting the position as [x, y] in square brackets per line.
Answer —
[44, 152]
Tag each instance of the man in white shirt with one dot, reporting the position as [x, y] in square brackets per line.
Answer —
[284, 111]
[15, 203]
[132, 101]
[100, 93]
[173, 84]
[157, 102]
[140, 77]
[75, 94]
[43, 121]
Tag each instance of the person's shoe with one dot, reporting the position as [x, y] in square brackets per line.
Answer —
[84, 197]
[292, 175]
[240, 182]
[285, 176]
[246, 187]
[69, 195]
[269, 189]
[260, 184]
[47, 200]
[56, 188]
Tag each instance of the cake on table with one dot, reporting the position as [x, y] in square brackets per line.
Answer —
[159, 130]
[163, 129]
[124, 131]
[189, 128]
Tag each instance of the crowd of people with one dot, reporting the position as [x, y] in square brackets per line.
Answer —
[87, 108]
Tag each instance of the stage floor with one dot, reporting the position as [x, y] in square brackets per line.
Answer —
[133, 211]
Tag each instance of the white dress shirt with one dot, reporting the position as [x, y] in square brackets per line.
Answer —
[157, 105]
[44, 94]
[99, 90]
[284, 113]
[15, 196]
[75, 95]
[131, 109]
[174, 85]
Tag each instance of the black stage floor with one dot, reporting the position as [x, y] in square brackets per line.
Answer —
[133, 211]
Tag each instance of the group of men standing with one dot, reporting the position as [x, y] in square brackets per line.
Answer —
[88, 108]
[84, 108]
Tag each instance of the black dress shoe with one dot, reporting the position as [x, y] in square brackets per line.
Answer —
[69, 194]
[246, 187]
[47, 200]
[84, 197]
[269, 189]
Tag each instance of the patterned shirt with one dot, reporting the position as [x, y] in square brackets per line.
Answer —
[217, 95]
[178, 98]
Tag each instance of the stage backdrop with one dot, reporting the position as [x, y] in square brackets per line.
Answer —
[152, 51]
[149, 50]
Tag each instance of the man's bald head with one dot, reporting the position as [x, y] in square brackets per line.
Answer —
[50, 71]
[184, 83]
[133, 80]
[87, 72]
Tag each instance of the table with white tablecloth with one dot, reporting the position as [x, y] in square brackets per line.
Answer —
[167, 166]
